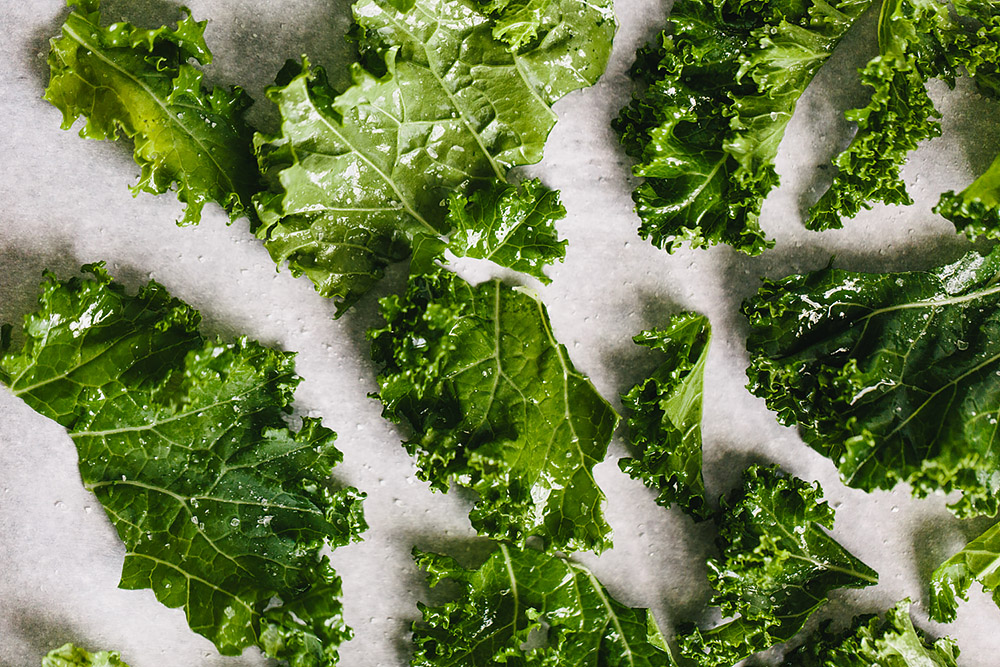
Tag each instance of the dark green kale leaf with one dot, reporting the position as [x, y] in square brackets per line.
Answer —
[718, 91]
[138, 83]
[518, 593]
[224, 509]
[445, 107]
[664, 415]
[978, 561]
[496, 406]
[778, 565]
[976, 210]
[893, 376]
[893, 642]
[513, 226]
[918, 41]
[69, 655]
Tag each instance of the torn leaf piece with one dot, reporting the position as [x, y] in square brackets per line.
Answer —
[664, 415]
[449, 108]
[978, 561]
[718, 89]
[893, 376]
[778, 565]
[496, 406]
[69, 655]
[520, 593]
[893, 642]
[224, 508]
[513, 226]
[138, 83]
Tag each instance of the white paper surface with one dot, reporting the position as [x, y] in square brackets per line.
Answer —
[65, 202]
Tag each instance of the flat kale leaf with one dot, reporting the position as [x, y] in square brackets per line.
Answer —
[978, 561]
[893, 376]
[778, 565]
[513, 226]
[222, 506]
[444, 107]
[664, 415]
[138, 83]
[893, 642]
[519, 593]
[69, 655]
[718, 90]
[496, 406]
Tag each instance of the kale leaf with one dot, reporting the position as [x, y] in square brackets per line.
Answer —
[893, 376]
[893, 642]
[138, 83]
[664, 415]
[69, 655]
[977, 561]
[443, 107]
[918, 40]
[517, 593]
[223, 508]
[496, 406]
[718, 90]
[778, 565]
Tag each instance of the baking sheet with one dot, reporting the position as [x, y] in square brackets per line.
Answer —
[65, 202]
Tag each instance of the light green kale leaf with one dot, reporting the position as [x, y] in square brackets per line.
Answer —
[778, 565]
[664, 415]
[513, 226]
[496, 406]
[69, 655]
[138, 83]
[718, 90]
[444, 107]
[979, 560]
[893, 376]
[522, 592]
[893, 642]
[223, 507]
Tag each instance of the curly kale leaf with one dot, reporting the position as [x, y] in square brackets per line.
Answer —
[664, 415]
[223, 508]
[522, 592]
[893, 642]
[893, 376]
[778, 565]
[976, 210]
[69, 655]
[513, 226]
[356, 177]
[496, 405]
[978, 561]
[719, 90]
[138, 83]
[918, 41]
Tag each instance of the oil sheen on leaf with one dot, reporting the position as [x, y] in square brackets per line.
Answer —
[893, 376]
[224, 509]
[718, 89]
[778, 565]
[137, 83]
[496, 406]
[520, 593]
[444, 107]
